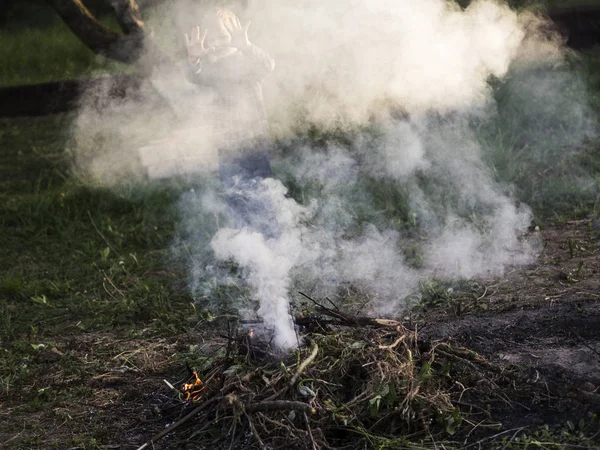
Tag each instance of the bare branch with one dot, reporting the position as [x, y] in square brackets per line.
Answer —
[126, 48]
[128, 15]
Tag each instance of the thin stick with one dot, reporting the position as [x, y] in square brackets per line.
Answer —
[583, 341]
[190, 254]
[255, 432]
[301, 368]
[332, 304]
[378, 323]
[394, 345]
[229, 339]
[456, 358]
[496, 435]
[278, 405]
[472, 406]
[112, 284]
[172, 387]
[305, 363]
[100, 233]
[180, 422]
[312, 439]
[107, 291]
[233, 431]
[15, 436]
[482, 295]
[314, 301]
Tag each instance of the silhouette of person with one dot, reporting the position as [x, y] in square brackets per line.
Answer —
[222, 61]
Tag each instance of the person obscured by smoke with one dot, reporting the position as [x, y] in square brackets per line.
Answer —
[263, 234]
[223, 62]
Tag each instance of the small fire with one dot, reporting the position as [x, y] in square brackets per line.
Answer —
[251, 333]
[193, 390]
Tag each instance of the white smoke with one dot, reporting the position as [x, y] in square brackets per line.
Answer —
[349, 55]
[267, 261]
[409, 81]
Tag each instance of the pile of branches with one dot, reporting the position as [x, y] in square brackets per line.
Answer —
[355, 382]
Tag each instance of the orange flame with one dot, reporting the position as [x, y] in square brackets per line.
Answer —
[193, 390]
[251, 332]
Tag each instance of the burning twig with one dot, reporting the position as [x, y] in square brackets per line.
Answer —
[193, 390]
[385, 379]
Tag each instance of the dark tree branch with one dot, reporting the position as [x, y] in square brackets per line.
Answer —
[128, 15]
[126, 48]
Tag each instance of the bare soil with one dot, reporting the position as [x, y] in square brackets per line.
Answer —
[543, 321]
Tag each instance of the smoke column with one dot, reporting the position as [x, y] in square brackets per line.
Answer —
[410, 81]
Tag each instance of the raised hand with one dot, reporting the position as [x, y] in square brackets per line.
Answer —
[239, 33]
[195, 44]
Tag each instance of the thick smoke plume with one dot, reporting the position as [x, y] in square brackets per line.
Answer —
[410, 84]
[352, 55]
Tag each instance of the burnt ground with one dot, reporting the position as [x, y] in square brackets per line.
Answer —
[546, 317]
[539, 324]
[543, 321]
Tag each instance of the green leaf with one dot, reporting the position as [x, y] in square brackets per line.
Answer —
[426, 372]
[453, 421]
[374, 405]
[306, 391]
[232, 370]
[384, 390]
[357, 345]
[40, 300]
[392, 396]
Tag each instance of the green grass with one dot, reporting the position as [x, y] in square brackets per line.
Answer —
[79, 260]
[50, 53]
[76, 256]
[544, 141]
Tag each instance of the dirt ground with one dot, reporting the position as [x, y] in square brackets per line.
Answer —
[541, 323]
[547, 316]
[545, 321]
